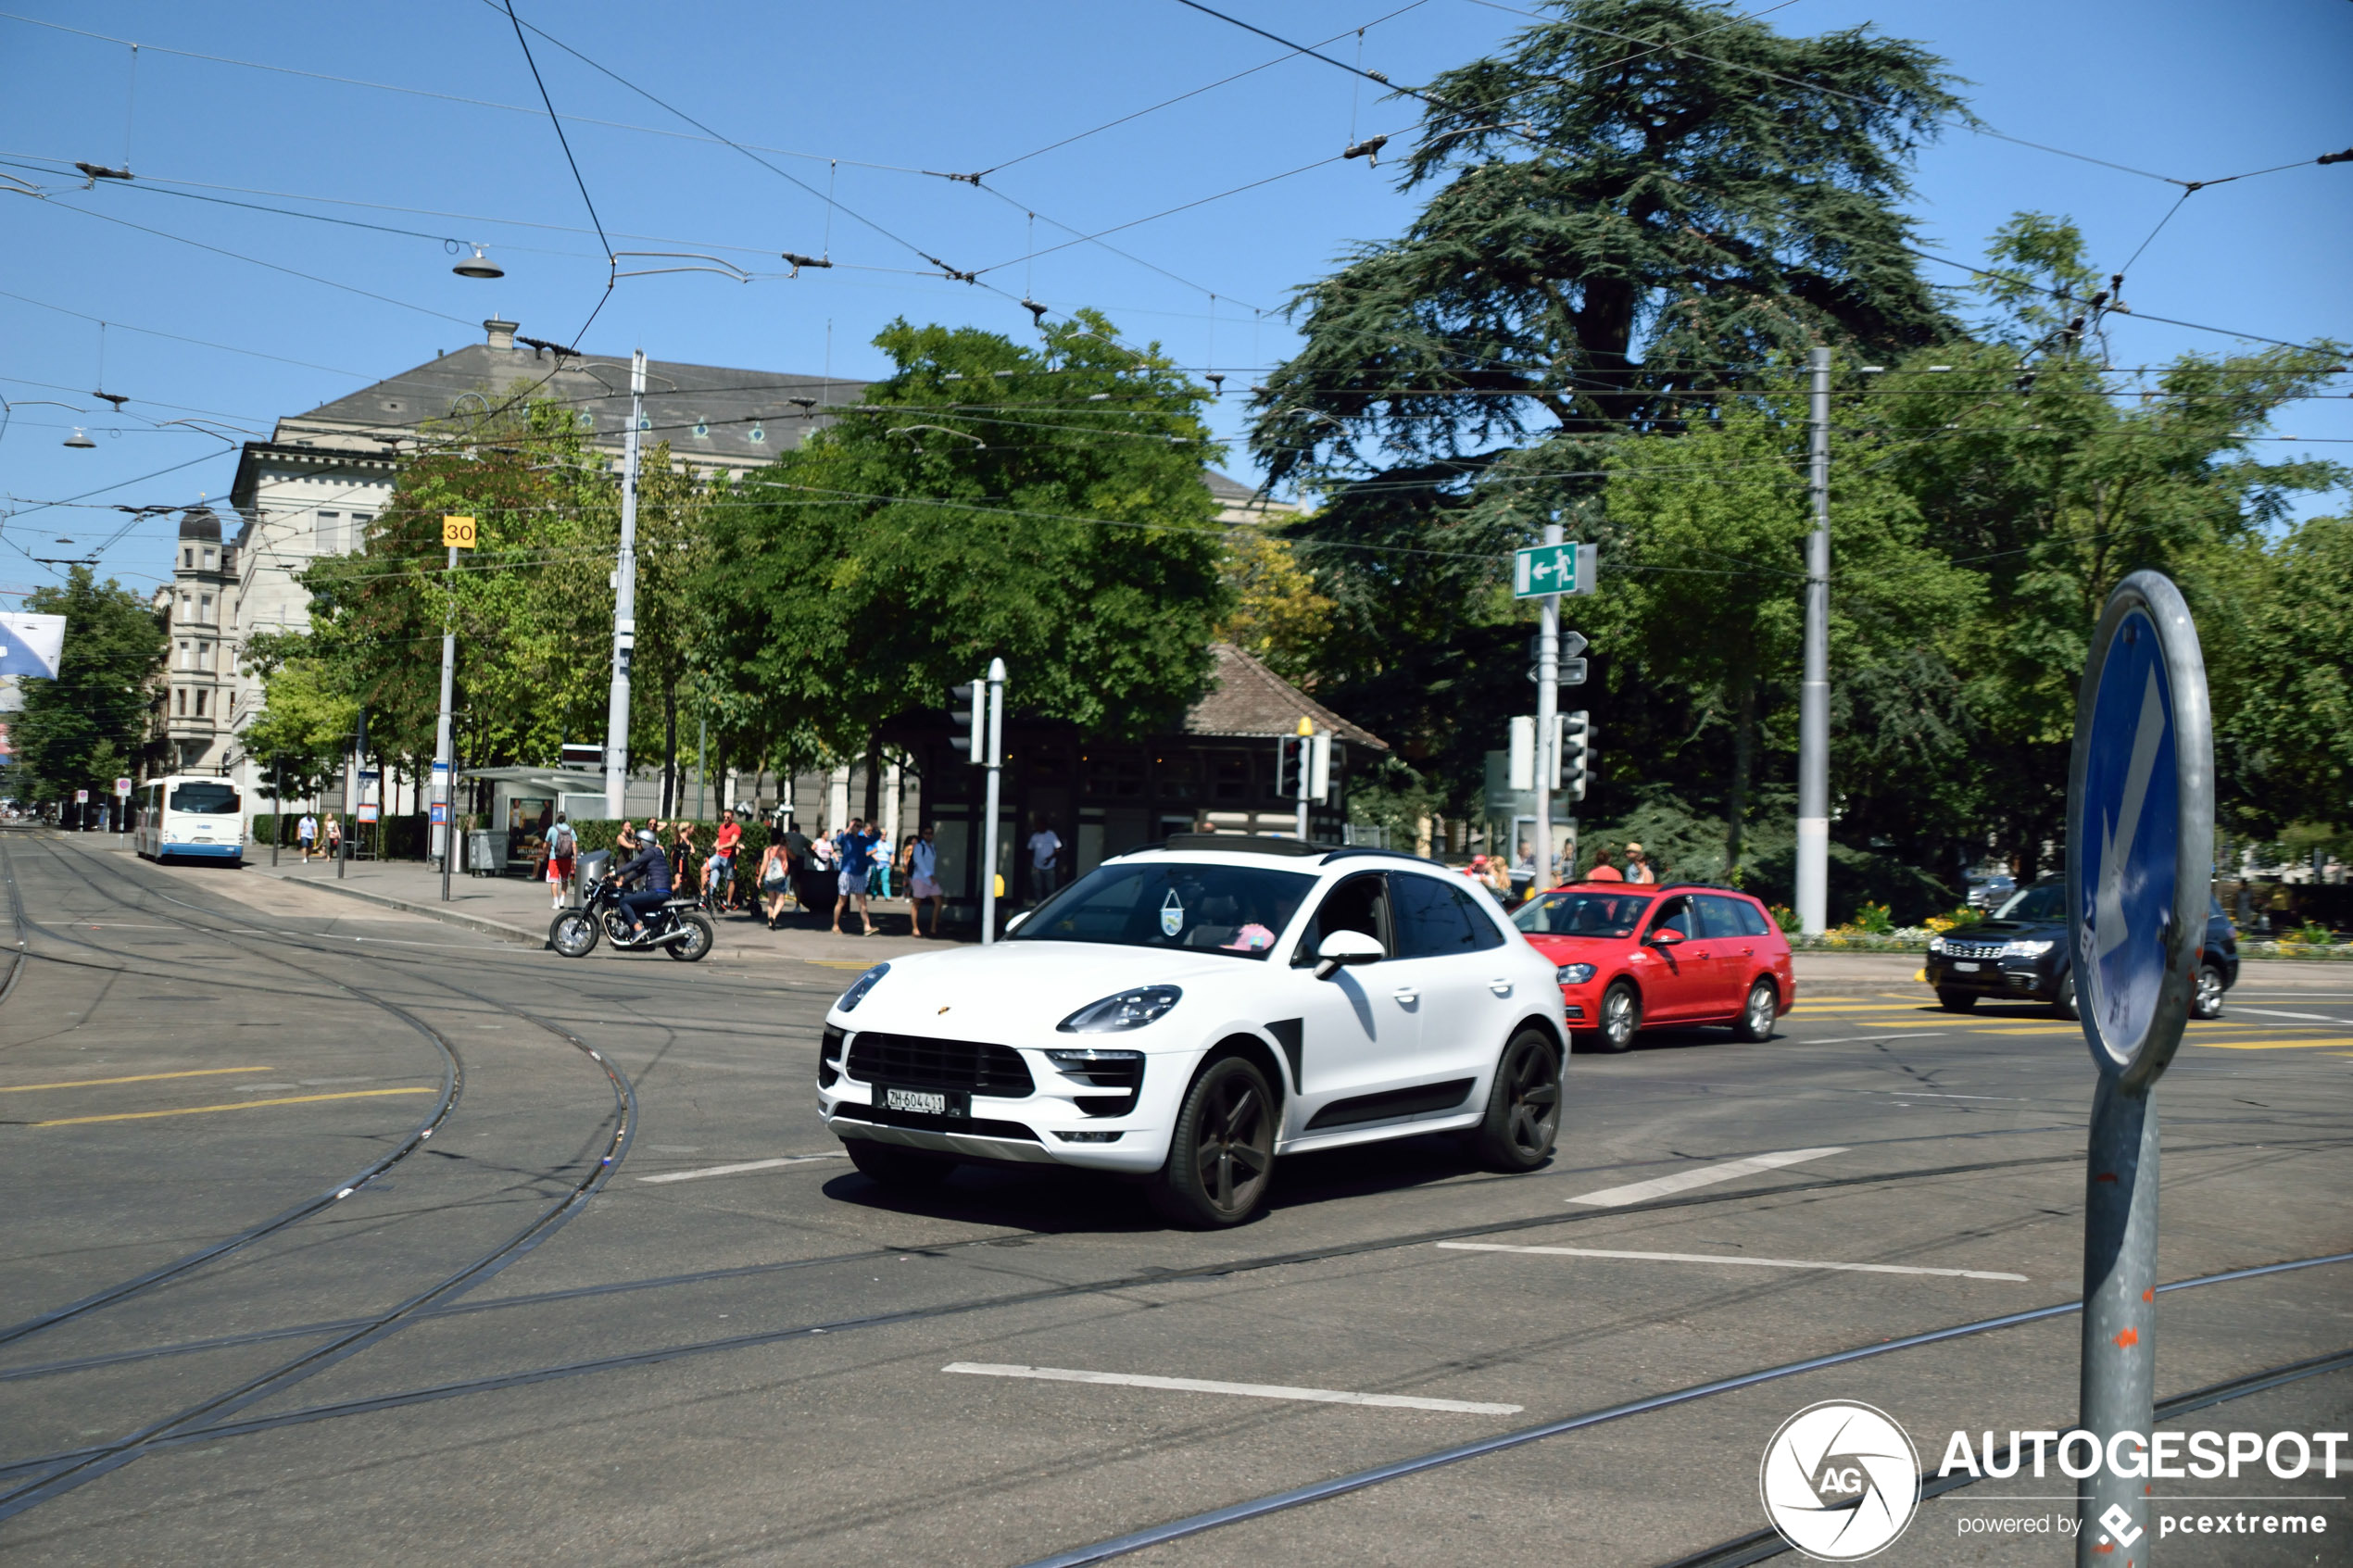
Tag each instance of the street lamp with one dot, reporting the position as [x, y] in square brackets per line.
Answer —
[479, 265]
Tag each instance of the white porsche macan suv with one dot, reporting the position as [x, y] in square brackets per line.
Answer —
[1186, 1013]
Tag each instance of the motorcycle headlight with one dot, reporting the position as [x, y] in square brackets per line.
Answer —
[2027, 949]
[1129, 1009]
[1573, 973]
[864, 983]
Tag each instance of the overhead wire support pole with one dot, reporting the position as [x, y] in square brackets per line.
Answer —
[1548, 704]
[624, 602]
[1814, 694]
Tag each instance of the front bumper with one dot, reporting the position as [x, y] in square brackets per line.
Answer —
[2029, 979]
[207, 851]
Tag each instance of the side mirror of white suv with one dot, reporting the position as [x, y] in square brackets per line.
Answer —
[1346, 948]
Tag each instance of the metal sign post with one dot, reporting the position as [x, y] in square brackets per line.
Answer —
[2140, 860]
[457, 533]
[1545, 571]
[996, 764]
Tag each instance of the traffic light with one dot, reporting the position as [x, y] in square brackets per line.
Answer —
[1575, 754]
[968, 711]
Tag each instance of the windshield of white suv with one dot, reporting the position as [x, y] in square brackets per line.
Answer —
[1582, 914]
[2045, 900]
[1159, 903]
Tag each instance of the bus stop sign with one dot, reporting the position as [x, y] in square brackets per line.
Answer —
[2140, 829]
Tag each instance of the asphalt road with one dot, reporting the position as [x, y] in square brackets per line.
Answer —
[627, 1303]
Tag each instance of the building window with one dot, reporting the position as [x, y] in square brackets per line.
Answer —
[186, 662]
[188, 557]
[329, 538]
[181, 695]
[200, 695]
[204, 655]
[208, 557]
[358, 538]
[204, 610]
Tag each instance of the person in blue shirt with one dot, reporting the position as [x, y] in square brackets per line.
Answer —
[651, 863]
[856, 848]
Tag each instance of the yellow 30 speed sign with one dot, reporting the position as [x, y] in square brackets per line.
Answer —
[457, 532]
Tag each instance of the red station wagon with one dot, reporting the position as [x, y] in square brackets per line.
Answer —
[1633, 956]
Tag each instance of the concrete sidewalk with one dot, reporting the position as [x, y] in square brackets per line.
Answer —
[515, 910]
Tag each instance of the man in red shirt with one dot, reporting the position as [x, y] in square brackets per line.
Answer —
[721, 868]
[1602, 871]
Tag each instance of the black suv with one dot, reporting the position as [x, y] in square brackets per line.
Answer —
[2022, 952]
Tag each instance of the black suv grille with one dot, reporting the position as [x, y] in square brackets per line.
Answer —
[995, 1070]
[1973, 949]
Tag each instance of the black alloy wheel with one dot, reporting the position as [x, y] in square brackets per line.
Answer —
[1759, 1013]
[1523, 1107]
[2207, 1000]
[893, 1166]
[1955, 1001]
[1222, 1154]
[699, 935]
[1621, 1017]
[572, 933]
[2063, 1000]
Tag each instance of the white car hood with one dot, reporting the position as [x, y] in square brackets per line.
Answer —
[1014, 993]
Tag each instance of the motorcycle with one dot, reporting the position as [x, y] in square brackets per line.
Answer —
[678, 927]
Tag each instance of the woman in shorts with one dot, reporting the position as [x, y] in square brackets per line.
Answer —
[776, 881]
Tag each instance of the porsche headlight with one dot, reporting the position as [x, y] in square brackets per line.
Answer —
[1573, 973]
[865, 983]
[1129, 1009]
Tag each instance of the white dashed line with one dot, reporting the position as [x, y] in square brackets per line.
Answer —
[738, 1170]
[1707, 1175]
[1740, 1262]
[1246, 1390]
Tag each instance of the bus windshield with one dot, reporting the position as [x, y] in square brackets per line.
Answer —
[210, 799]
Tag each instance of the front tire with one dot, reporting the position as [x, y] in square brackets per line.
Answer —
[1759, 1013]
[2063, 1000]
[572, 933]
[1221, 1157]
[697, 943]
[909, 1169]
[1955, 1001]
[1621, 1017]
[1523, 1107]
[2207, 1000]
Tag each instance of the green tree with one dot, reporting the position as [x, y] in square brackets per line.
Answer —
[89, 726]
[986, 500]
[2278, 636]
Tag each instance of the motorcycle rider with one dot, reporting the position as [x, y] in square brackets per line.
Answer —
[654, 866]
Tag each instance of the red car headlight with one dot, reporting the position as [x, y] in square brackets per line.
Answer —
[1574, 973]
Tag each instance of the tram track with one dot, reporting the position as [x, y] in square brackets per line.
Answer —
[60, 1474]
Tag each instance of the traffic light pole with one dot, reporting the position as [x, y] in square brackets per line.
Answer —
[444, 750]
[1548, 700]
[995, 761]
[1814, 693]
[624, 602]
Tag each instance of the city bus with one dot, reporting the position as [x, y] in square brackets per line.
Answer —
[184, 814]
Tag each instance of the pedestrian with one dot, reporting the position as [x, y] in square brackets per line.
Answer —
[1602, 871]
[334, 837]
[719, 871]
[1638, 866]
[775, 879]
[1045, 849]
[307, 834]
[563, 847]
[856, 848]
[923, 881]
[682, 854]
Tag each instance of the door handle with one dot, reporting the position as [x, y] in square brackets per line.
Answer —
[1500, 987]
[1407, 996]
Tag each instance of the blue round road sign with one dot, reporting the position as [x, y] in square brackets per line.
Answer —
[2140, 841]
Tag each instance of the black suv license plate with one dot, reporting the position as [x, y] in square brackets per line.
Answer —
[953, 1103]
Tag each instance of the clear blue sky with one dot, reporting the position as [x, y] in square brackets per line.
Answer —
[2194, 92]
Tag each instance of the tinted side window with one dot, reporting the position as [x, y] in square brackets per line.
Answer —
[1678, 915]
[1754, 921]
[1435, 919]
[1480, 912]
[1359, 904]
[1729, 916]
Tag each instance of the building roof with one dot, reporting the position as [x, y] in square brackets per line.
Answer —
[1247, 698]
[744, 417]
[200, 522]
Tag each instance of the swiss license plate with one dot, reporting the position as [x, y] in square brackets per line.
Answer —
[1966, 968]
[926, 1102]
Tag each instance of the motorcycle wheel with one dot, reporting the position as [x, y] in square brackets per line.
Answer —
[572, 933]
[700, 934]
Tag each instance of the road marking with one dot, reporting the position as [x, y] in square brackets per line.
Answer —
[736, 1170]
[2263, 1044]
[1247, 1390]
[1907, 1005]
[1707, 1175]
[2305, 1017]
[1742, 1263]
[239, 1105]
[139, 1078]
[1861, 1039]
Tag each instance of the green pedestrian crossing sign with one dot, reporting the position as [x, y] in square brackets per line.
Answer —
[1541, 569]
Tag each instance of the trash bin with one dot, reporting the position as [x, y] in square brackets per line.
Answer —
[485, 852]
